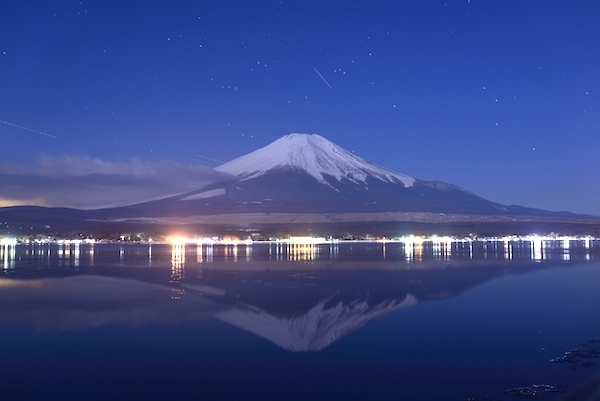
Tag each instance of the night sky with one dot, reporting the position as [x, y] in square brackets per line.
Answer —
[499, 97]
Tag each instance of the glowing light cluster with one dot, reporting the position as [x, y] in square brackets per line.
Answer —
[207, 241]
[179, 240]
[307, 240]
[8, 241]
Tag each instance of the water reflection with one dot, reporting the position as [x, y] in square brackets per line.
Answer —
[412, 250]
[298, 296]
[176, 304]
[82, 302]
[299, 310]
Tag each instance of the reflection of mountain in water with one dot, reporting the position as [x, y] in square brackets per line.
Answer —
[309, 310]
[299, 306]
[319, 327]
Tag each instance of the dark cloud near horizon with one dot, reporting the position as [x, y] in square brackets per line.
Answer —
[87, 183]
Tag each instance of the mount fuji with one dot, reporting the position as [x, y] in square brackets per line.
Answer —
[313, 155]
[310, 182]
[307, 174]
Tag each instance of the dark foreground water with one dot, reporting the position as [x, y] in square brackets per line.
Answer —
[478, 321]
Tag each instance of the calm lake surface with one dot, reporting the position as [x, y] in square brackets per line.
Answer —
[351, 321]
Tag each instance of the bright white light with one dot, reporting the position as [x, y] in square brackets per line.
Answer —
[8, 241]
[178, 240]
[307, 240]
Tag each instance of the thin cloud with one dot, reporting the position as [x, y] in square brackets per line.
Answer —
[87, 183]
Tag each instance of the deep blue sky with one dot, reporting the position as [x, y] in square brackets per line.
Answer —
[500, 97]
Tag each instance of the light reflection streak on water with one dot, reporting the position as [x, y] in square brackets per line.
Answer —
[437, 251]
[301, 251]
[412, 250]
[198, 253]
[248, 252]
[209, 253]
[334, 251]
[587, 245]
[537, 246]
[447, 250]
[177, 269]
[76, 255]
[177, 262]
[409, 251]
[66, 254]
[91, 252]
[231, 252]
[566, 244]
[441, 249]
[8, 256]
[418, 251]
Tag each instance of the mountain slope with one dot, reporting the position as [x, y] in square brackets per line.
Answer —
[305, 173]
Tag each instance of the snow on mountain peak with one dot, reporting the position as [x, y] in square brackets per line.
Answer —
[313, 154]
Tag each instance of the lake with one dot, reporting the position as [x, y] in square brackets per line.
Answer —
[276, 321]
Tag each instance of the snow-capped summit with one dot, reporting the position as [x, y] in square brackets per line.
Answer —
[314, 155]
